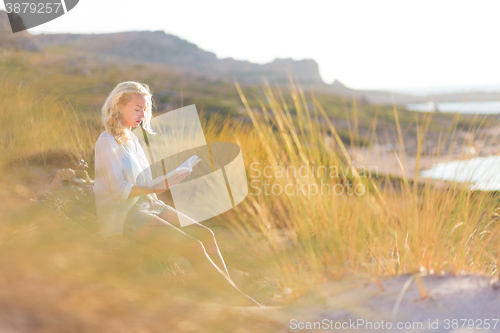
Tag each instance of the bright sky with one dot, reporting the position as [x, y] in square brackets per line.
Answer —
[369, 44]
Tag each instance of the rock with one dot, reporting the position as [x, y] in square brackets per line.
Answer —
[495, 283]
[79, 181]
[43, 195]
[71, 193]
[34, 202]
[64, 174]
[84, 175]
[81, 165]
[78, 191]
[54, 185]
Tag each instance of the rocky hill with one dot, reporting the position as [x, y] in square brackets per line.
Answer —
[160, 47]
[22, 40]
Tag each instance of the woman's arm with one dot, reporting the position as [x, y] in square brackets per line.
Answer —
[109, 170]
[139, 190]
[108, 166]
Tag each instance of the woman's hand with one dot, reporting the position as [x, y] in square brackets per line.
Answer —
[176, 179]
[173, 181]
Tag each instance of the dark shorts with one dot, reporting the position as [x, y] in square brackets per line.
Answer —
[143, 211]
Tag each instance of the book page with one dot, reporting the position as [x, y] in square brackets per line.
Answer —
[185, 167]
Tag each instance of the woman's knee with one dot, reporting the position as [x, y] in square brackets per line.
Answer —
[181, 244]
[160, 231]
[195, 229]
[199, 232]
[192, 247]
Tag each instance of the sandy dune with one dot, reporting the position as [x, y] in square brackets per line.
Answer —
[466, 303]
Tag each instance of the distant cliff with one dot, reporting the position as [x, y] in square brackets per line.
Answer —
[19, 41]
[159, 47]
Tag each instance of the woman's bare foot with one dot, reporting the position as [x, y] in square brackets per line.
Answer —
[244, 300]
[251, 302]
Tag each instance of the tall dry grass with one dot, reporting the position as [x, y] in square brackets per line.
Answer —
[36, 124]
[417, 226]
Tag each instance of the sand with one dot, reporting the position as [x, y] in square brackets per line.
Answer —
[465, 303]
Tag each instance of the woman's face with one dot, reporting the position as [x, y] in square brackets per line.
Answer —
[133, 112]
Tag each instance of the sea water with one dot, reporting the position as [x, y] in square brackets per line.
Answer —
[483, 173]
[488, 107]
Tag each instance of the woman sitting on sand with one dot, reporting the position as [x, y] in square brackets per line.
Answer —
[124, 208]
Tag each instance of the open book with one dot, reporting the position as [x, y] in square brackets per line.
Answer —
[185, 167]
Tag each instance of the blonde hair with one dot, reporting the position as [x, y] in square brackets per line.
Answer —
[111, 110]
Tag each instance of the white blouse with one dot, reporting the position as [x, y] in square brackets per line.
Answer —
[117, 169]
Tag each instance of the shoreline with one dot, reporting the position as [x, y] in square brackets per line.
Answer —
[391, 160]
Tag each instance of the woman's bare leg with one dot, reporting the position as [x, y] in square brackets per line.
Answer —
[201, 233]
[164, 236]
